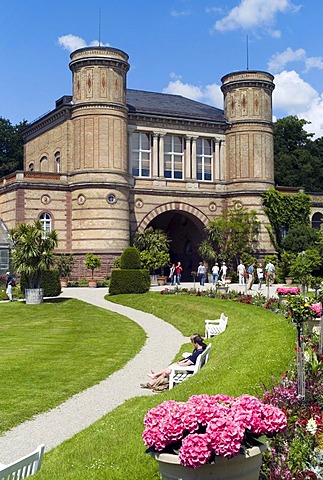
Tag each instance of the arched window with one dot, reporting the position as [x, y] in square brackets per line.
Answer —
[58, 162]
[317, 220]
[31, 167]
[43, 164]
[46, 222]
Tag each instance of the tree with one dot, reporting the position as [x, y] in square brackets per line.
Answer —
[11, 146]
[304, 265]
[33, 251]
[92, 262]
[301, 237]
[153, 246]
[233, 234]
[64, 265]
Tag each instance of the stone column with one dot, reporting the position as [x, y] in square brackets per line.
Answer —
[161, 155]
[194, 173]
[216, 160]
[187, 158]
[154, 172]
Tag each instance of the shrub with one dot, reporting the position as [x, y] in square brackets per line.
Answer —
[130, 259]
[50, 283]
[129, 281]
[78, 283]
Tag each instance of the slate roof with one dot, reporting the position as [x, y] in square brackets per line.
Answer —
[163, 104]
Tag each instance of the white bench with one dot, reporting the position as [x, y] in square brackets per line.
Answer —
[215, 327]
[178, 374]
[24, 467]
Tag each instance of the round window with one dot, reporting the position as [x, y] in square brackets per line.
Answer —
[111, 198]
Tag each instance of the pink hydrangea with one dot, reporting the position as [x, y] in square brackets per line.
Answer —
[210, 424]
[286, 290]
[317, 308]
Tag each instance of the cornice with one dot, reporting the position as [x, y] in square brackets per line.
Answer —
[48, 121]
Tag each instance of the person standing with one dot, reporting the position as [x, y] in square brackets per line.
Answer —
[223, 271]
[172, 274]
[260, 275]
[178, 271]
[241, 269]
[270, 273]
[251, 275]
[9, 291]
[215, 273]
[201, 273]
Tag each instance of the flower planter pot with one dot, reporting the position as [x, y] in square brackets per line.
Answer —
[222, 289]
[92, 283]
[242, 466]
[288, 280]
[161, 281]
[34, 296]
[63, 282]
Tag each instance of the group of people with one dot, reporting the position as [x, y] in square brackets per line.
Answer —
[190, 359]
[268, 273]
[217, 273]
[175, 273]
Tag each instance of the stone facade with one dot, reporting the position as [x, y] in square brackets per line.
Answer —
[108, 161]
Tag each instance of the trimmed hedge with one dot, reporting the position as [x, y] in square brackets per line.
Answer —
[130, 259]
[50, 283]
[129, 281]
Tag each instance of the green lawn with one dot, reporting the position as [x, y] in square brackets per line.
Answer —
[254, 349]
[54, 350]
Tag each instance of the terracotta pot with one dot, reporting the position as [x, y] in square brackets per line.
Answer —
[161, 280]
[288, 280]
[242, 466]
[92, 283]
[63, 282]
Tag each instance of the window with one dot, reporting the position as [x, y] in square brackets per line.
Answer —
[31, 167]
[317, 220]
[141, 154]
[204, 156]
[46, 222]
[58, 162]
[173, 156]
[43, 164]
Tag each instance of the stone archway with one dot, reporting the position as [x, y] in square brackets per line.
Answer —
[184, 225]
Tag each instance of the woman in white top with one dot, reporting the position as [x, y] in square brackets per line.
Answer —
[260, 275]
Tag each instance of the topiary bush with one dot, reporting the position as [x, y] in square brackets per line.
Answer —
[50, 283]
[129, 281]
[130, 259]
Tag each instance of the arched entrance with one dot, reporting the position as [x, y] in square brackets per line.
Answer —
[185, 230]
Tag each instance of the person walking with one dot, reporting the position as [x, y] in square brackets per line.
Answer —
[9, 291]
[241, 270]
[223, 271]
[251, 275]
[260, 275]
[172, 274]
[201, 273]
[215, 273]
[270, 273]
[178, 271]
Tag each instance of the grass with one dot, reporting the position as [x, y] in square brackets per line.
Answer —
[51, 351]
[256, 347]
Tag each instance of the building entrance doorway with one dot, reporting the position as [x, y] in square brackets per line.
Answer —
[186, 233]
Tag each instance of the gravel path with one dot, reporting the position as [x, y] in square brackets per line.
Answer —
[83, 409]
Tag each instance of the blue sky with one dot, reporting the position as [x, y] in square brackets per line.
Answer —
[174, 46]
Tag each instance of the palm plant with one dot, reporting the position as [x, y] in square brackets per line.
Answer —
[33, 251]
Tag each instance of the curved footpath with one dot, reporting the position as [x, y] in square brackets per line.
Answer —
[80, 411]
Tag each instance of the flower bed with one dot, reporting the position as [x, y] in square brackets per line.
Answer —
[208, 426]
[288, 290]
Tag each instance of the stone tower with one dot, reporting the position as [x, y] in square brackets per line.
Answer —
[98, 167]
[249, 139]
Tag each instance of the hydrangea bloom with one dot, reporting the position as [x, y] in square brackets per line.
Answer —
[288, 290]
[207, 425]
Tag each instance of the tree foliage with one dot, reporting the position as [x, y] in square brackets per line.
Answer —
[33, 251]
[92, 262]
[285, 211]
[233, 234]
[153, 246]
[298, 159]
[11, 146]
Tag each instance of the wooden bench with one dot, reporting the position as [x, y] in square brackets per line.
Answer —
[24, 467]
[178, 374]
[215, 327]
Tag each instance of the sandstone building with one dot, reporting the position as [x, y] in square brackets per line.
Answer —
[110, 160]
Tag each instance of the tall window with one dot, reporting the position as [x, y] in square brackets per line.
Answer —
[58, 162]
[46, 222]
[317, 220]
[141, 154]
[43, 164]
[204, 156]
[173, 156]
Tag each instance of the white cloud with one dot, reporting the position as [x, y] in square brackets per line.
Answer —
[279, 60]
[210, 94]
[294, 96]
[183, 13]
[251, 14]
[73, 42]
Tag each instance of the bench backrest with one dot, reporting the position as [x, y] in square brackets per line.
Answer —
[24, 467]
[203, 358]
